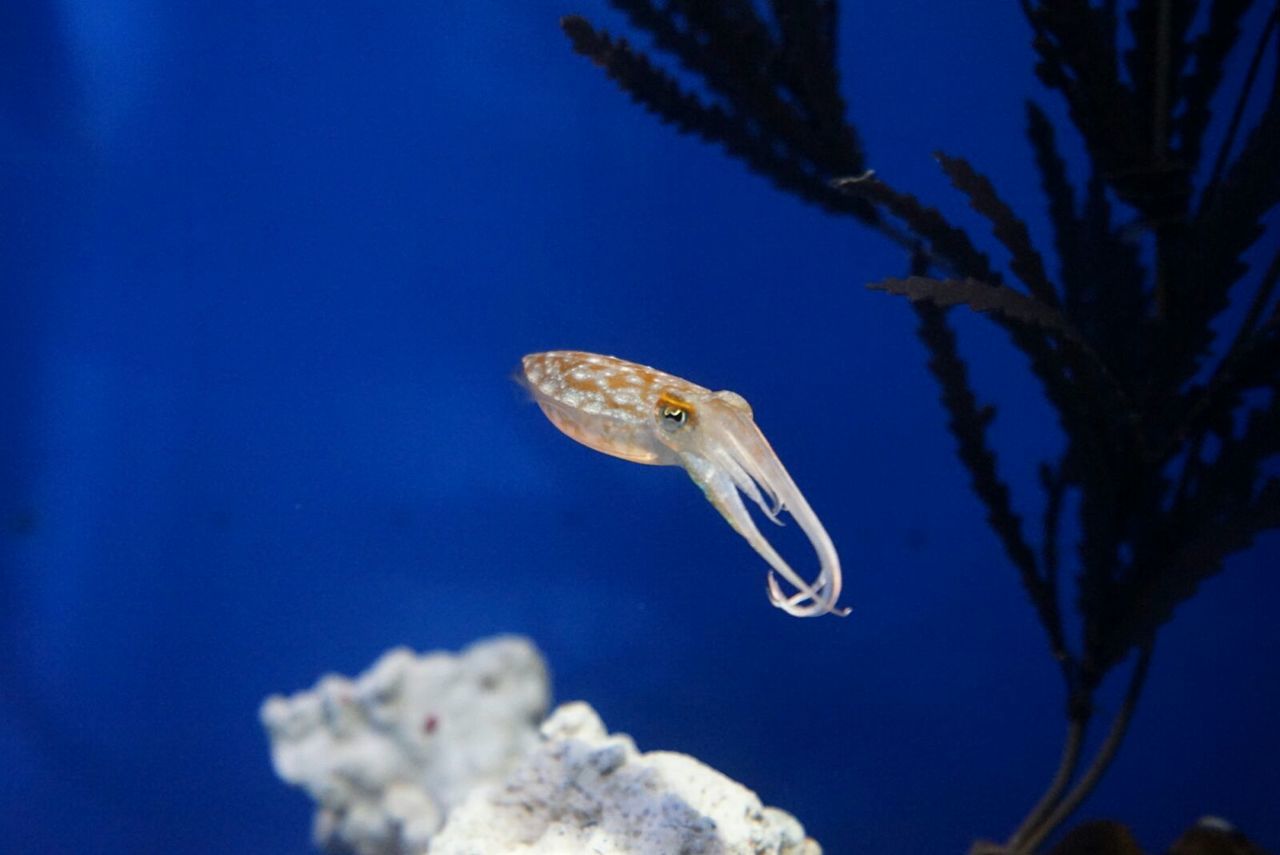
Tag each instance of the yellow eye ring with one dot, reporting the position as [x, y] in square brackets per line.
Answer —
[673, 414]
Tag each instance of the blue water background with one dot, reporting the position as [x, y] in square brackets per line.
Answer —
[266, 270]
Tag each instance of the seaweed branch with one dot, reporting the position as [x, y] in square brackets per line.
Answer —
[1027, 264]
[1119, 344]
[980, 297]
[968, 423]
[777, 108]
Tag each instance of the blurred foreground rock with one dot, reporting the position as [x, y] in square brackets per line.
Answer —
[443, 754]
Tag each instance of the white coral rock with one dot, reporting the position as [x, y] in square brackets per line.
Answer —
[440, 754]
[386, 756]
[583, 790]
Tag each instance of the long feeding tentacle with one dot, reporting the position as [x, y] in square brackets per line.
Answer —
[737, 437]
[722, 492]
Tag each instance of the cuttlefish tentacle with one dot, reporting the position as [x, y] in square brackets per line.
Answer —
[648, 416]
[747, 445]
[722, 492]
[736, 440]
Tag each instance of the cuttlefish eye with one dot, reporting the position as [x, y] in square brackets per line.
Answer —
[673, 414]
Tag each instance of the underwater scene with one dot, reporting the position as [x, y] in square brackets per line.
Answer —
[399, 399]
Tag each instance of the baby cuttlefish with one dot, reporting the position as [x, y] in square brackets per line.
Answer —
[648, 416]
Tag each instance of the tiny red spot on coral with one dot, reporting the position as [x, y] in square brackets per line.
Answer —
[429, 724]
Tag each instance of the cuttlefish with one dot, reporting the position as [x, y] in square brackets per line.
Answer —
[645, 415]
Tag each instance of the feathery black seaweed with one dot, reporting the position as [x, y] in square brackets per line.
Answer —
[1126, 124]
[1026, 262]
[777, 105]
[968, 421]
[1209, 262]
[981, 297]
[1209, 52]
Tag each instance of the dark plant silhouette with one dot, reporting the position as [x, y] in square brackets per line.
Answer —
[1168, 434]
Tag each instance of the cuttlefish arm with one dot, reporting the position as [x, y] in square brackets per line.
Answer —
[648, 416]
[738, 459]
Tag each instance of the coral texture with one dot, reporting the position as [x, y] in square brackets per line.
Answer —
[387, 755]
[441, 754]
[584, 790]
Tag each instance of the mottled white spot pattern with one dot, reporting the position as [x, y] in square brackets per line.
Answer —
[604, 385]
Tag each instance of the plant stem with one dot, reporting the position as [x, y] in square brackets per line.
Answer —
[1160, 115]
[1106, 753]
[1066, 768]
[1055, 481]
